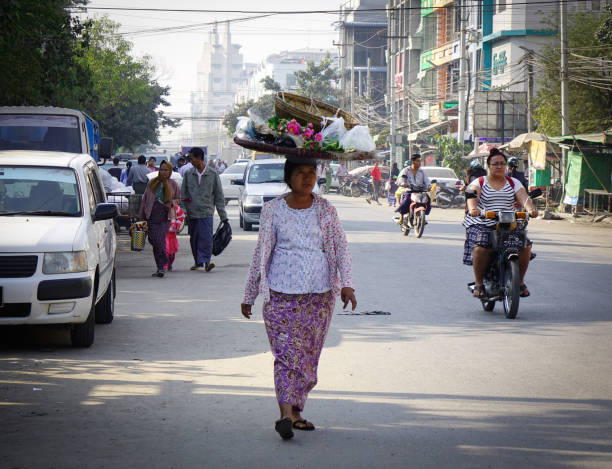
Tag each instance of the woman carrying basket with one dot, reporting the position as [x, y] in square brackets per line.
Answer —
[158, 204]
[301, 262]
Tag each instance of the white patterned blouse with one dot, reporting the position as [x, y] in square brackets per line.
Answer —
[299, 263]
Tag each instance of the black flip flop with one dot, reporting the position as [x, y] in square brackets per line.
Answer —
[524, 291]
[303, 425]
[283, 427]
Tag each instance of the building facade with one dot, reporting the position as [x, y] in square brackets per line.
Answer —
[424, 65]
[362, 43]
[281, 68]
[220, 72]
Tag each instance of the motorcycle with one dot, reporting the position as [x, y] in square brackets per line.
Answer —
[448, 196]
[502, 280]
[415, 218]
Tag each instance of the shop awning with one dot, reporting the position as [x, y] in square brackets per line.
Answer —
[601, 138]
[430, 130]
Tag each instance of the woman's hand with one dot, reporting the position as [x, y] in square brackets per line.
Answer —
[533, 213]
[169, 204]
[246, 310]
[475, 212]
[348, 294]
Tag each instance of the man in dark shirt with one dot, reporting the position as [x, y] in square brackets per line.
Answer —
[115, 171]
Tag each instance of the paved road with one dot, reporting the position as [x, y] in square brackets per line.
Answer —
[180, 380]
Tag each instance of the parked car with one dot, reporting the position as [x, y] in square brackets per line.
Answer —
[263, 181]
[235, 171]
[444, 176]
[58, 248]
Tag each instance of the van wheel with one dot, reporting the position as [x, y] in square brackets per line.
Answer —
[241, 221]
[82, 335]
[248, 226]
[105, 309]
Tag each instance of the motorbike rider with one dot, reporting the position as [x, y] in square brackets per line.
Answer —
[412, 175]
[513, 164]
[474, 171]
[495, 192]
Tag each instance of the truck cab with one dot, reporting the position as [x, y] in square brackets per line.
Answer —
[45, 128]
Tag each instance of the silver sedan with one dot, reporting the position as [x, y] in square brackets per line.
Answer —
[235, 171]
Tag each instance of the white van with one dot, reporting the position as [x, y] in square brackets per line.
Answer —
[57, 243]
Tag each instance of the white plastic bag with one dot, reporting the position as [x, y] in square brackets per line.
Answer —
[358, 138]
[334, 131]
[260, 124]
[245, 129]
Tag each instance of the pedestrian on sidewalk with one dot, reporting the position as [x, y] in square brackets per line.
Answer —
[301, 262]
[202, 192]
[160, 198]
[376, 183]
[172, 244]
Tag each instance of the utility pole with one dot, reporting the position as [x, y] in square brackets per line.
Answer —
[462, 74]
[564, 89]
[529, 92]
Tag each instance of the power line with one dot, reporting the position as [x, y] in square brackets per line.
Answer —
[308, 12]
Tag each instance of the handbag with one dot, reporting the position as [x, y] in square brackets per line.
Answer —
[222, 237]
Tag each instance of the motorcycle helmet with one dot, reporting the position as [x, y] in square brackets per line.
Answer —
[513, 162]
[475, 164]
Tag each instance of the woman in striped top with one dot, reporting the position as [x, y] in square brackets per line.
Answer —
[498, 192]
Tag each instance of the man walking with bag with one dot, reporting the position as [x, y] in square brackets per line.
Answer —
[202, 192]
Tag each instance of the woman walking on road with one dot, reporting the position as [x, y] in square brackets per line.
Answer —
[301, 262]
[158, 204]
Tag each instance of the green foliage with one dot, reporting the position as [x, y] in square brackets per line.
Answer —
[318, 81]
[590, 107]
[40, 44]
[451, 151]
[270, 84]
[382, 139]
[126, 97]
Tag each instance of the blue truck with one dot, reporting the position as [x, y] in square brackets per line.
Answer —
[47, 128]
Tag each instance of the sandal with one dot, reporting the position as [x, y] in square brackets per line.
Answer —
[479, 291]
[283, 427]
[304, 425]
[524, 291]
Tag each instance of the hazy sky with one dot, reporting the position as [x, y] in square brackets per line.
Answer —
[177, 52]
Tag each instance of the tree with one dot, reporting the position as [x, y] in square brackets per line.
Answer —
[126, 97]
[590, 88]
[318, 81]
[40, 43]
[451, 151]
[263, 107]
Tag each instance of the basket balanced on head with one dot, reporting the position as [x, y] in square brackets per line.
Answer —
[305, 110]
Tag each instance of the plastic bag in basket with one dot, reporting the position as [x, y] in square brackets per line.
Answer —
[334, 131]
[245, 129]
[358, 138]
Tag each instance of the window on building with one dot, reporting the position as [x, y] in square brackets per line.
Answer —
[501, 5]
[595, 5]
[479, 17]
[453, 78]
[457, 16]
[430, 31]
[291, 80]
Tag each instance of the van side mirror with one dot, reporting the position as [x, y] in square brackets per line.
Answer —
[237, 182]
[321, 181]
[105, 148]
[434, 181]
[105, 212]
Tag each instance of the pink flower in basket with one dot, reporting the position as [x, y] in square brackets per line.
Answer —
[293, 127]
[318, 137]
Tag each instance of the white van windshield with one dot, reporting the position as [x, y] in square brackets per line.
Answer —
[40, 132]
[262, 173]
[27, 190]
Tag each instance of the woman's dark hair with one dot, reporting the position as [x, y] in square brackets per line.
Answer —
[291, 166]
[129, 164]
[142, 159]
[495, 152]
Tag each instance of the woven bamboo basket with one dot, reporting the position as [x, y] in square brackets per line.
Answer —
[305, 110]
